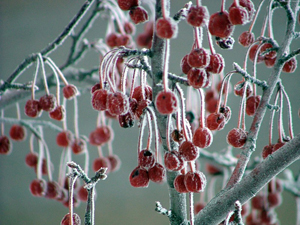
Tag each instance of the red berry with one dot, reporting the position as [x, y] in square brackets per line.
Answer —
[188, 151]
[63, 138]
[99, 99]
[129, 28]
[249, 6]
[70, 91]
[211, 105]
[123, 40]
[95, 88]
[238, 15]
[197, 77]
[82, 194]
[111, 40]
[166, 28]
[252, 54]
[5, 145]
[115, 162]
[144, 40]
[216, 64]
[179, 184]
[141, 105]
[127, 120]
[278, 146]
[166, 102]
[38, 187]
[31, 159]
[270, 62]
[100, 135]
[274, 199]
[146, 158]
[47, 102]
[139, 177]
[78, 146]
[66, 219]
[173, 161]
[177, 135]
[290, 66]
[52, 189]
[17, 132]
[185, 67]
[195, 181]
[33, 108]
[246, 38]
[219, 25]
[215, 121]
[202, 137]
[198, 16]
[198, 57]
[58, 113]
[157, 173]
[212, 170]
[257, 202]
[226, 111]
[269, 55]
[138, 93]
[128, 4]
[117, 103]
[267, 150]
[198, 207]
[239, 88]
[101, 162]
[237, 137]
[252, 104]
[138, 14]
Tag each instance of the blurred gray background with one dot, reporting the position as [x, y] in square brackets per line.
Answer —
[27, 27]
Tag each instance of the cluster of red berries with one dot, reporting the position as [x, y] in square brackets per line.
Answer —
[111, 162]
[66, 139]
[136, 12]
[144, 40]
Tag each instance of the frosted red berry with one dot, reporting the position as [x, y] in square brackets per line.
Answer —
[246, 38]
[188, 151]
[38, 187]
[138, 14]
[219, 25]
[64, 138]
[5, 145]
[78, 146]
[202, 137]
[139, 95]
[101, 162]
[31, 159]
[215, 121]
[177, 135]
[100, 135]
[173, 161]
[128, 4]
[290, 66]
[127, 120]
[195, 181]
[198, 16]
[270, 62]
[139, 177]
[99, 99]
[238, 15]
[33, 108]
[157, 173]
[166, 102]
[58, 113]
[216, 64]
[66, 219]
[226, 111]
[239, 88]
[185, 67]
[146, 158]
[47, 102]
[249, 6]
[269, 55]
[17, 132]
[115, 162]
[197, 77]
[117, 103]
[252, 54]
[252, 104]
[237, 137]
[52, 189]
[179, 184]
[199, 58]
[70, 91]
[166, 28]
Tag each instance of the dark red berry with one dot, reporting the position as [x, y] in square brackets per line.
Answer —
[38, 187]
[173, 161]
[166, 102]
[226, 111]
[58, 113]
[198, 206]
[215, 121]
[202, 137]
[138, 14]
[177, 135]
[101, 162]
[219, 25]
[188, 151]
[33, 108]
[252, 104]
[252, 54]
[269, 55]
[270, 62]
[290, 66]
[238, 15]
[139, 177]
[211, 105]
[128, 4]
[239, 88]
[70, 91]
[52, 189]
[47, 102]
[115, 162]
[78, 146]
[146, 158]
[195, 181]
[82, 194]
[139, 95]
[99, 99]
[5, 145]
[141, 105]
[197, 16]
[274, 199]
[157, 173]
[64, 138]
[216, 64]
[166, 28]
[100, 135]
[267, 150]
[111, 40]
[31, 159]
[237, 137]
[197, 77]
[66, 219]
[123, 40]
[249, 6]
[198, 58]
[117, 103]
[17, 132]
[127, 120]
[179, 184]
[246, 38]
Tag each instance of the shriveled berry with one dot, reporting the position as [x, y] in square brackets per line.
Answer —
[197, 77]
[179, 184]
[139, 177]
[58, 113]
[64, 138]
[290, 66]
[177, 135]
[252, 104]
[188, 151]
[138, 14]
[101, 162]
[33, 108]
[219, 25]
[141, 105]
[199, 58]
[215, 121]
[237, 137]
[246, 38]
[117, 103]
[238, 15]
[70, 91]
[115, 162]
[31, 159]
[202, 137]
[157, 173]
[5, 145]
[173, 161]
[195, 181]
[127, 120]
[66, 219]
[216, 64]
[17, 132]
[166, 102]
[198, 16]
[99, 99]
[100, 135]
[249, 6]
[38, 187]
[78, 146]
[146, 158]
[166, 28]
[225, 43]
[128, 4]
[47, 102]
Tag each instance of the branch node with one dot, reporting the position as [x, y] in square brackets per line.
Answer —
[162, 210]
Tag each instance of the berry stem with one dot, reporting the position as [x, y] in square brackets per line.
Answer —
[211, 188]
[61, 75]
[45, 146]
[149, 130]
[272, 119]
[57, 82]
[72, 181]
[18, 111]
[227, 77]
[191, 200]
[280, 127]
[40, 160]
[166, 66]
[116, 15]
[168, 132]
[132, 83]
[198, 36]
[31, 144]
[86, 161]
[76, 127]
[44, 73]
[255, 16]
[223, 6]
[150, 110]
[140, 141]
[185, 132]
[64, 121]
[270, 17]
[62, 168]
[198, 3]
[202, 108]
[291, 133]
[211, 47]
[34, 79]
[100, 153]
[163, 9]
